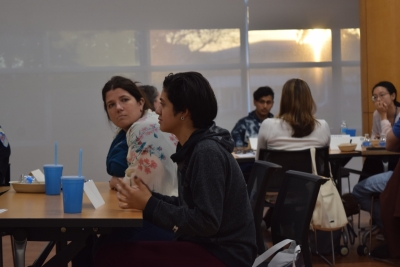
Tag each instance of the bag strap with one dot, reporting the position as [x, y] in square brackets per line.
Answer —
[314, 166]
[271, 251]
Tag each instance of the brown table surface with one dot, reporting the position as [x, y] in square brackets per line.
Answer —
[23, 207]
[38, 217]
[383, 152]
[333, 153]
[336, 156]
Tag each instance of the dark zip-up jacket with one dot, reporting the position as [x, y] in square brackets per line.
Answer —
[212, 208]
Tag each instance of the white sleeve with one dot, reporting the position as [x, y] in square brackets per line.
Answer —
[327, 132]
[386, 127]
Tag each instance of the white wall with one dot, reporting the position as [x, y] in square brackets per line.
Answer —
[55, 56]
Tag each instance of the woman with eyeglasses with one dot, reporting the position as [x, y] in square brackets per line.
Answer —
[387, 112]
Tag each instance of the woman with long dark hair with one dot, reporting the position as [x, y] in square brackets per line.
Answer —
[295, 127]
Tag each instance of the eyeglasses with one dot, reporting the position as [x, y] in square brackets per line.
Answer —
[380, 96]
[262, 102]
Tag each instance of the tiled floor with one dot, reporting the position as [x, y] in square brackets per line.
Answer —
[352, 259]
[33, 249]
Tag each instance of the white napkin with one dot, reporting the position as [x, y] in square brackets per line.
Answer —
[93, 194]
[39, 176]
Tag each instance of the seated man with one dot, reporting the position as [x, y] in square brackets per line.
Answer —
[249, 126]
[383, 209]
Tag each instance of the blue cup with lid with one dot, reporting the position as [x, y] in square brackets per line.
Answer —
[52, 178]
[72, 187]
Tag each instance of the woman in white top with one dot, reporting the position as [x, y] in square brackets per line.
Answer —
[295, 127]
[387, 112]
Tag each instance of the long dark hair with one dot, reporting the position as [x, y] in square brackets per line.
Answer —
[151, 93]
[127, 85]
[390, 88]
[298, 107]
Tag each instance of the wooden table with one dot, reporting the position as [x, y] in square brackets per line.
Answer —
[333, 154]
[338, 159]
[243, 158]
[38, 217]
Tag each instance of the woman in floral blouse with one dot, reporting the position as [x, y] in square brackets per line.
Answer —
[139, 149]
[146, 150]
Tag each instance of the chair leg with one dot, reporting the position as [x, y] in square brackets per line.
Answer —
[348, 182]
[18, 244]
[333, 250]
[370, 224]
[320, 255]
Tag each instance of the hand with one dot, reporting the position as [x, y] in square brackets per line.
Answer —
[382, 108]
[135, 197]
[113, 182]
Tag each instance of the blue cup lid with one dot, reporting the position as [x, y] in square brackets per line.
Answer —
[72, 177]
[53, 165]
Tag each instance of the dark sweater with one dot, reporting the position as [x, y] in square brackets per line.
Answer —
[212, 208]
[5, 152]
[116, 158]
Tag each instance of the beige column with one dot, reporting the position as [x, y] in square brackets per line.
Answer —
[380, 50]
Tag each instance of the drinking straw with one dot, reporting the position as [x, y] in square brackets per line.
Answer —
[55, 153]
[80, 163]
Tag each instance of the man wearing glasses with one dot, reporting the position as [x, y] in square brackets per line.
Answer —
[249, 126]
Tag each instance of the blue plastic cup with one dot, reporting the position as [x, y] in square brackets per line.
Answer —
[72, 187]
[351, 132]
[52, 178]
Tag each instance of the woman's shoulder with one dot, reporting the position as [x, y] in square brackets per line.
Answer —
[323, 123]
[270, 121]
[322, 128]
[149, 118]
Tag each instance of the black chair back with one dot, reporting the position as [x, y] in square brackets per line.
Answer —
[294, 208]
[297, 160]
[5, 173]
[256, 188]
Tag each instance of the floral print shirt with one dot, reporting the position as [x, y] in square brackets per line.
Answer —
[149, 152]
[247, 127]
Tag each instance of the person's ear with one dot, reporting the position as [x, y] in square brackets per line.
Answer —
[141, 102]
[184, 114]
